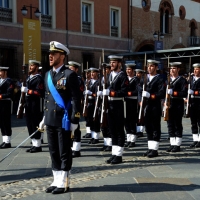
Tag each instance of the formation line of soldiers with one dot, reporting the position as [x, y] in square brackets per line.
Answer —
[110, 104]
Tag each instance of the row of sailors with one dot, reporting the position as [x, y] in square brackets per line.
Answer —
[125, 92]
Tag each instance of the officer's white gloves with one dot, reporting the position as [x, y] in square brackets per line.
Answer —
[170, 91]
[41, 125]
[24, 89]
[145, 94]
[88, 92]
[99, 93]
[73, 127]
[106, 92]
[190, 91]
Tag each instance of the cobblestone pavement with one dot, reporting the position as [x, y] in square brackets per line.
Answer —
[168, 176]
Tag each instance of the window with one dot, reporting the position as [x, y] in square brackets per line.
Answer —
[166, 12]
[45, 7]
[146, 4]
[114, 22]
[87, 17]
[182, 12]
[4, 3]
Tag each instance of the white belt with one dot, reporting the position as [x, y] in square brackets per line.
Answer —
[114, 98]
[195, 97]
[90, 97]
[132, 97]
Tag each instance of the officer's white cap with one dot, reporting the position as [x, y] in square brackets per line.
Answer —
[58, 47]
[153, 61]
[4, 68]
[196, 65]
[75, 64]
[115, 58]
[33, 62]
[176, 64]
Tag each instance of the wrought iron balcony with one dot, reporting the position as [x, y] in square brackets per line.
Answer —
[194, 41]
[86, 27]
[46, 21]
[5, 14]
[114, 31]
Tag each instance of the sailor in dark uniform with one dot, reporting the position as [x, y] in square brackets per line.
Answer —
[194, 104]
[61, 115]
[178, 91]
[92, 94]
[140, 126]
[131, 102]
[117, 90]
[34, 104]
[6, 95]
[155, 91]
[77, 133]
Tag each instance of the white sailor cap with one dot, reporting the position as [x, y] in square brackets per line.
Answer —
[139, 70]
[92, 69]
[153, 62]
[130, 64]
[58, 47]
[4, 68]
[34, 62]
[115, 58]
[175, 64]
[196, 65]
[74, 64]
[106, 65]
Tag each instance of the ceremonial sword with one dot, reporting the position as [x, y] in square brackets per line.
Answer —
[22, 143]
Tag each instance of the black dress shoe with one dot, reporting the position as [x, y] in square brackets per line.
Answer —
[50, 189]
[6, 145]
[193, 144]
[197, 145]
[110, 159]
[132, 144]
[87, 135]
[170, 149]
[140, 134]
[103, 148]
[2, 144]
[28, 150]
[152, 154]
[90, 142]
[176, 149]
[76, 154]
[117, 160]
[108, 148]
[60, 190]
[36, 149]
[95, 141]
[148, 151]
[127, 144]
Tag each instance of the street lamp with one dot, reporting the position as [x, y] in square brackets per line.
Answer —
[158, 35]
[25, 11]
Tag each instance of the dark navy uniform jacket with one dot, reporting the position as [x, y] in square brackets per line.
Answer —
[195, 86]
[35, 93]
[67, 85]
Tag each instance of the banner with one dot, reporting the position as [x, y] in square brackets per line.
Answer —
[31, 40]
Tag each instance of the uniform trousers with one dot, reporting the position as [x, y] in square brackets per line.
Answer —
[77, 134]
[5, 117]
[59, 142]
[152, 121]
[116, 122]
[33, 118]
[176, 111]
[195, 118]
[131, 116]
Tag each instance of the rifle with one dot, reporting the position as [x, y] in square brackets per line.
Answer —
[103, 120]
[86, 98]
[143, 101]
[187, 112]
[167, 98]
[21, 105]
[97, 103]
